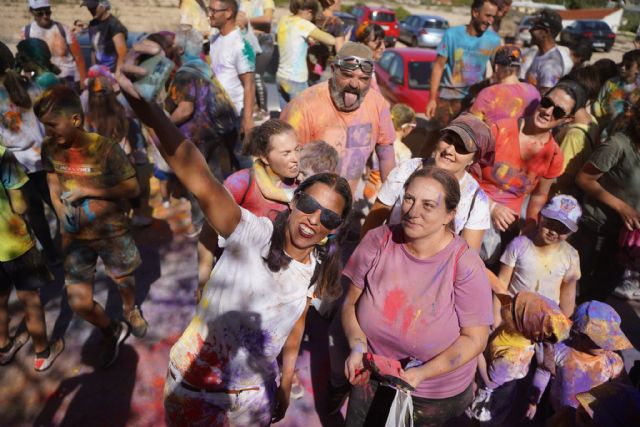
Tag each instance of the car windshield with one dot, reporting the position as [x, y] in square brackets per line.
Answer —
[434, 24]
[419, 75]
[595, 25]
[382, 17]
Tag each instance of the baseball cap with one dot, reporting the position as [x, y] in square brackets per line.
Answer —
[549, 20]
[507, 55]
[95, 3]
[601, 323]
[471, 130]
[39, 4]
[565, 209]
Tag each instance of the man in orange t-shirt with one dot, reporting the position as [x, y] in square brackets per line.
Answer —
[345, 114]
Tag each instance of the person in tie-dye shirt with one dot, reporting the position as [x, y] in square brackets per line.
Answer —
[621, 92]
[462, 59]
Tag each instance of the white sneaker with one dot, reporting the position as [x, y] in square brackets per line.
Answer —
[628, 289]
[16, 344]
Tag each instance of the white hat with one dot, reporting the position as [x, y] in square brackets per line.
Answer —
[38, 4]
[565, 209]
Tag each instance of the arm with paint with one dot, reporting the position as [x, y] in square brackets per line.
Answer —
[55, 190]
[537, 201]
[184, 158]
[248, 81]
[353, 367]
[121, 50]
[183, 112]
[289, 357]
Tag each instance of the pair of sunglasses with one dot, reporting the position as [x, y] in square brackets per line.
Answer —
[352, 63]
[46, 12]
[558, 112]
[307, 204]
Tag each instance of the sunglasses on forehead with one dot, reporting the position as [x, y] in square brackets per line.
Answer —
[352, 63]
[308, 205]
[558, 112]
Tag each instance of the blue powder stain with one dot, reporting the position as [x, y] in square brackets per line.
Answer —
[91, 216]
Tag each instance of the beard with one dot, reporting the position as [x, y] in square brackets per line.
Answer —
[338, 96]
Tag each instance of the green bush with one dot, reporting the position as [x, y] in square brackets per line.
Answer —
[631, 21]
[401, 13]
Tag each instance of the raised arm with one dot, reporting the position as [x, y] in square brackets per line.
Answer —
[323, 37]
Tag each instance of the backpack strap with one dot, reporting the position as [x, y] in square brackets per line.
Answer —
[59, 26]
[473, 203]
[27, 31]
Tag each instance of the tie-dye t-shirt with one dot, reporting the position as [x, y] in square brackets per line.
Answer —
[213, 112]
[414, 307]
[506, 101]
[59, 45]
[231, 56]
[20, 131]
[546, 69]
[100, 163]
[510, 355]
[467, 58]
[540, 271]
[616, 96]
[293, 32]
[353, 134]
[245, 314]
[511, 178]
[14, 233]
[101, 34]
[577, 372]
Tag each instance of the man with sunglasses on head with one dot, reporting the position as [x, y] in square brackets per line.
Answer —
[64, 47]
[462, 60]
[107, 34]
[346, 114]
[548, 65]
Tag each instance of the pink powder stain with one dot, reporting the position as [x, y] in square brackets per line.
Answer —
[408, 318]
[396, 299]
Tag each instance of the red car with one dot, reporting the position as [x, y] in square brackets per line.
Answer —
[382, 16]
[404, 76]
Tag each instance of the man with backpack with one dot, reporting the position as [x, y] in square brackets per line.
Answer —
[64, 47]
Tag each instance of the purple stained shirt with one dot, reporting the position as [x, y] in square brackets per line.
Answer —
[506, 101]
[413, 307]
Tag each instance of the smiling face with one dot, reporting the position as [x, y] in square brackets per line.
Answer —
[543, 117]
[450, 154]
[482, 18]
[424, 210]
[284, 155]
[377, 46]
[304, 230]
[348, 88]
[219, 14]
[551, 232]
[60, 127]
[42, 16]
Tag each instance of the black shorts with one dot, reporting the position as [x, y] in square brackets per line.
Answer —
[28, 272]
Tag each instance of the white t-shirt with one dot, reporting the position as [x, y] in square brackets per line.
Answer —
[293, 32]
[567, 62]
[392, 192]
[59, 46]
[231, 56]
[536, 271]
[21, 132]
[546, 69]
[245, 315]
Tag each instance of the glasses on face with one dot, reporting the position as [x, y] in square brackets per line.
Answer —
[213, 11]
[558, 112]
[454, 140]
[307, 204]
[40, 13]
[352, 63]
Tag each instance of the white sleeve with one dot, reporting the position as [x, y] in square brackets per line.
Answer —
[480, 215]
[392, 187]
[511, 253]
[250, 231]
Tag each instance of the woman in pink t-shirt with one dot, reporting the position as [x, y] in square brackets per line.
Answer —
[418, 295]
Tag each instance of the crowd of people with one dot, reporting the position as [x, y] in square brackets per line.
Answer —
[454, 287]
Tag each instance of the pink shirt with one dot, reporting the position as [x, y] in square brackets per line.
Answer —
[414, 307]
[246, 193]
[506, 101]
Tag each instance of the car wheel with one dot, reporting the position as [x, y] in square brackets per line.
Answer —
[608, 48]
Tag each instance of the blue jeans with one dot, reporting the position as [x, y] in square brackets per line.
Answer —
[288, 89]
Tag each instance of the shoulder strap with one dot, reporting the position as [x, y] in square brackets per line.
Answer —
[27, 31]
[586, 132]
[473, 202]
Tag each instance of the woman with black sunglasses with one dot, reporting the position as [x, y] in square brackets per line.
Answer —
[223, 368]
[527, 160]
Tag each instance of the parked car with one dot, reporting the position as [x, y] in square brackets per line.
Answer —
[422, 30]
[522, 31]
[404, 76]
[382, 16]
[598, 33]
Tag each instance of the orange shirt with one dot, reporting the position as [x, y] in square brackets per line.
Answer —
[510, 179]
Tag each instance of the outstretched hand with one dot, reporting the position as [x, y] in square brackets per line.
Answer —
[131, 70]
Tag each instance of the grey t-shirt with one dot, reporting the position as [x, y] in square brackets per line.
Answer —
[619, 159]
[546, 69]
